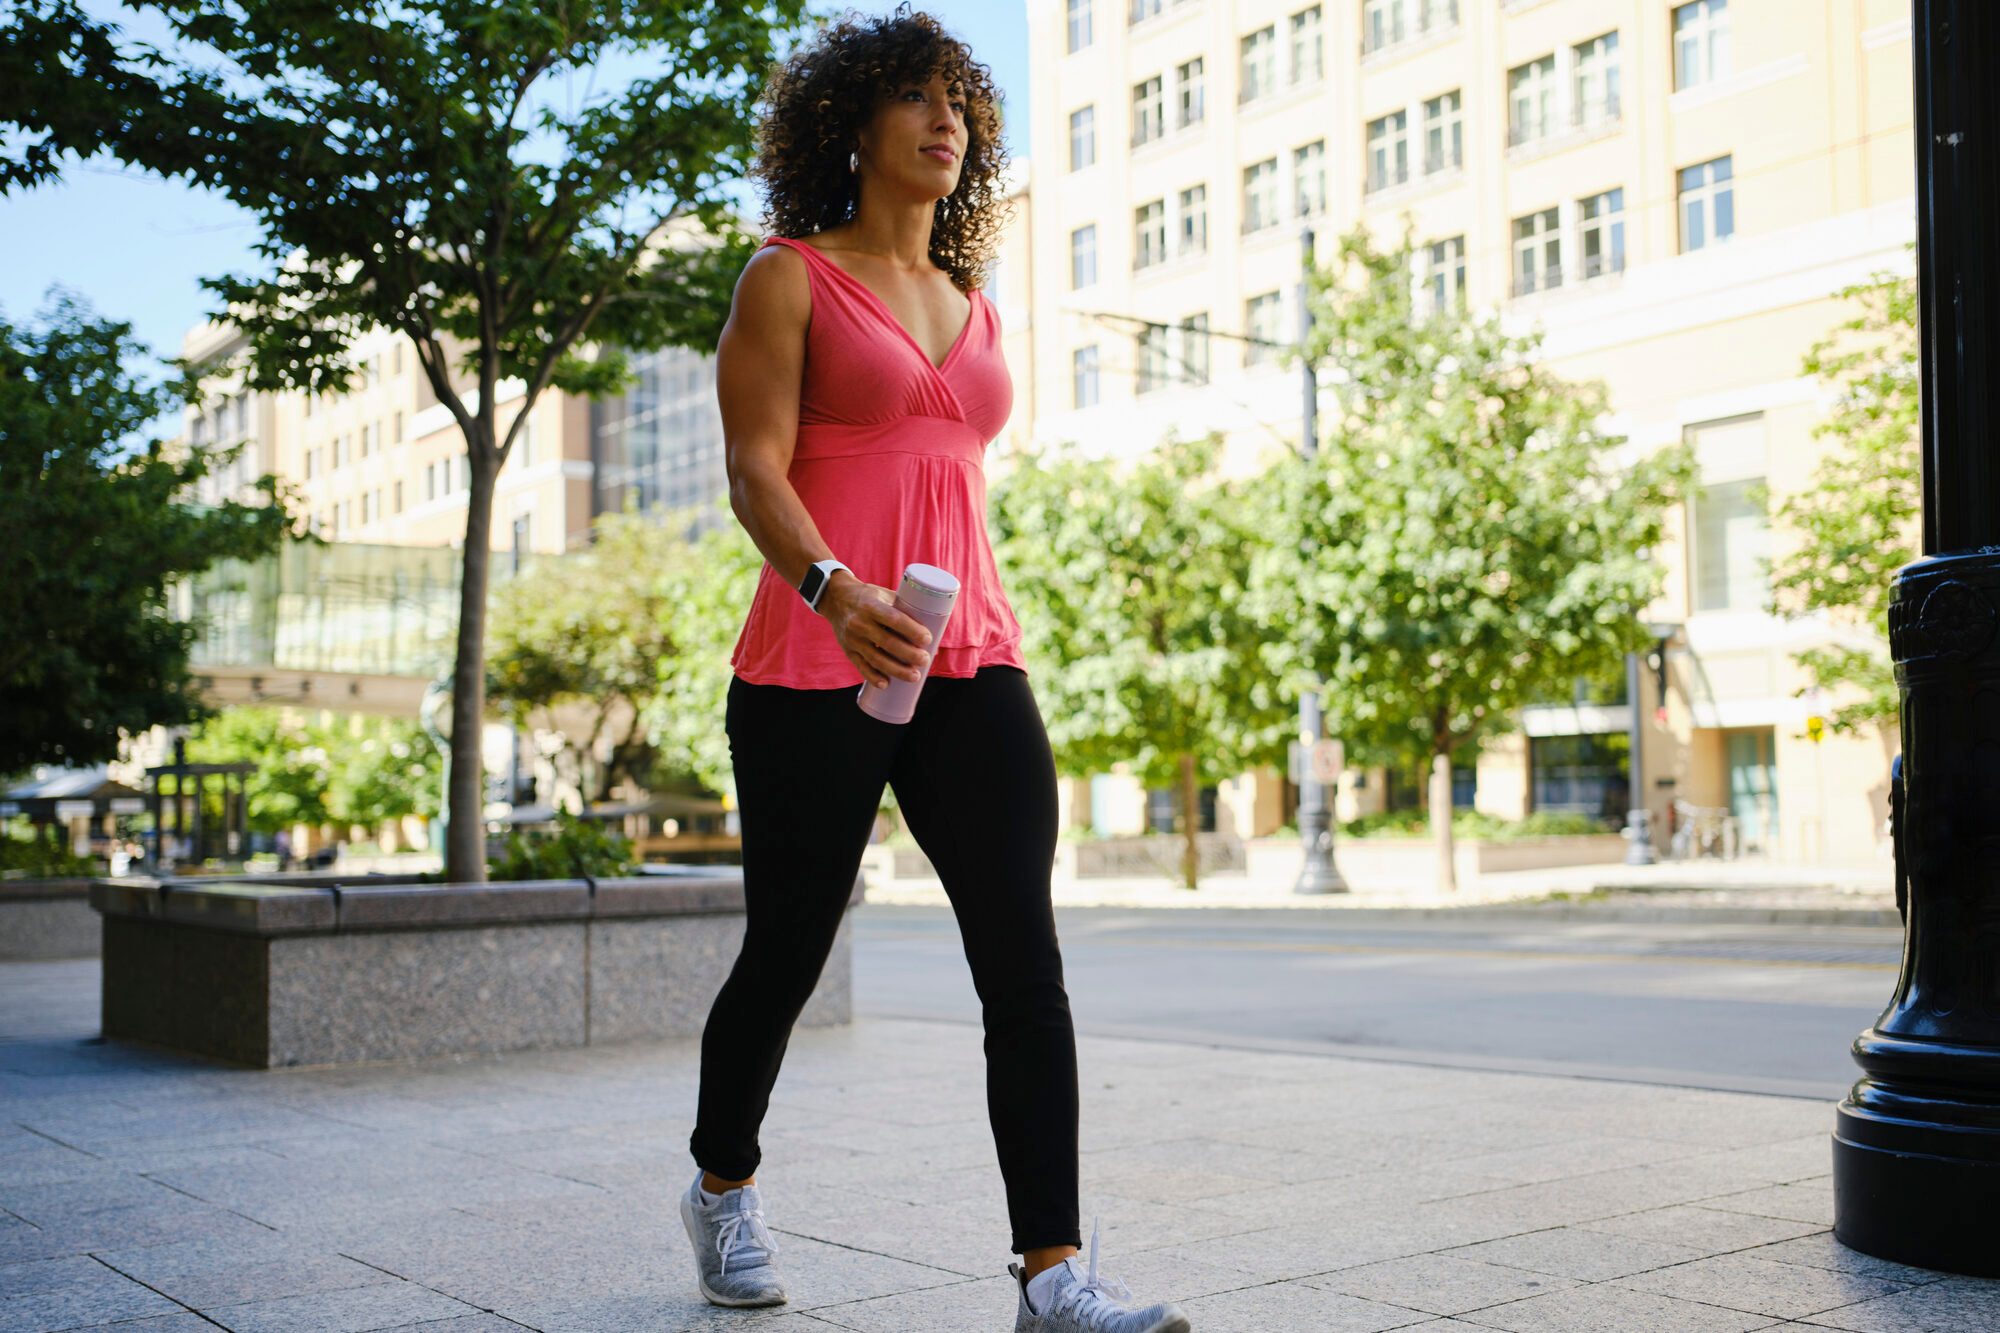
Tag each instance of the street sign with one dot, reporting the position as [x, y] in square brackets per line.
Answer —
[1816, 728]
[1328, 759]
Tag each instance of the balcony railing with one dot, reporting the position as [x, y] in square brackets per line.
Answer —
[1528, 131]
[1530, 281]
[1596, 266]
[1386, 178]
[1597, 112]
[1438, 16]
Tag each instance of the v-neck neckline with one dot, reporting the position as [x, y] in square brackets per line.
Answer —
[889, 316]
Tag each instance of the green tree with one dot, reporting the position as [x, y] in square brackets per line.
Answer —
[470, 174]
[385, 768]
[99, 525]
[1464, 541]
[587, 637]
[710, 590]
[295, 764]
[1129, 587]
[1862, 517]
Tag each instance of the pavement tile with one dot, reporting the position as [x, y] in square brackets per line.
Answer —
[87, 1298]
[1572, 1252]
[1822, 1249]
[31, 1275]
[986, 1303]
[1607, 1308]
[1788, 1291]
[1294, 1305]
[352, 1310]
[1438, 1284]
[1949, 1305]
[1799, 1203]
[1715, 1230]
[205, 1273]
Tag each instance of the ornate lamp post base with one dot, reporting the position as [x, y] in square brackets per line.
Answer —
[1916, 1145]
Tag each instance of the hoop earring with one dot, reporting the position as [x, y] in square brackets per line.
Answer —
[854, 161]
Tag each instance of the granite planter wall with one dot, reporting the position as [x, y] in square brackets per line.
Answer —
[47, 918]
[275, 974]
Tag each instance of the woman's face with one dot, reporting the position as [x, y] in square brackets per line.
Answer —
[917, 138]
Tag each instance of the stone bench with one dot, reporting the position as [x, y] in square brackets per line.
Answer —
[273, 974]
[46, 918]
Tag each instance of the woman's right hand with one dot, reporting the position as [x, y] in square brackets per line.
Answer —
[880, 640]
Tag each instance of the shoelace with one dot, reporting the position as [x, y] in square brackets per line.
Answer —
[1098, 1288]
[743, 1230]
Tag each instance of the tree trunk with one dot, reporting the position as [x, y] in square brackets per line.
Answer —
[465, 835]
[1191, 821]
[1441, 822]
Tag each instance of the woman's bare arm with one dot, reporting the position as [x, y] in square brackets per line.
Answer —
[759, 364]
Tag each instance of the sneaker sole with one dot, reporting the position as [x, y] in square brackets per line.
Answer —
[694, 1239]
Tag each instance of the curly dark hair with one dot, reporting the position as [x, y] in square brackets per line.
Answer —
[818, 99]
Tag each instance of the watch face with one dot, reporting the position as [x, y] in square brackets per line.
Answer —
[815, 580]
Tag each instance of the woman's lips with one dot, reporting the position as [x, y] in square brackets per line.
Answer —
[940, 154]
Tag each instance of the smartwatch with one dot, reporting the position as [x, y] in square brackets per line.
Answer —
[813, 586]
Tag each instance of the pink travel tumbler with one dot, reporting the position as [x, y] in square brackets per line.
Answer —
[926, 595]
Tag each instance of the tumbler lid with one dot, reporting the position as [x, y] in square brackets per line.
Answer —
[929, 588]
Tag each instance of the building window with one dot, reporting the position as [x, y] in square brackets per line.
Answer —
[397, 493]
[1189, 96]
[1079, 24]
[1444, 132]
[1446, 269]
[1308, 63]
[1259, 64]
[1149, 111]
[1596, 81]
[1082, 138]
[1149, 241]
[1584, 775]
[1384, 23]
[1194, 348]
[1260, 195]
[1601, 230]
[399, 427]
[1083, 256]
[1153, 362]
[525, 445]
[1260, 320]
[1309, 178]
[1701, 43]
[1531, 100]
[1537, 252]
[1708, 204]
[1389, 150]
[430, 481]
[1083, 376]
[1139, 10]
[1194, 220]
[1731, 544]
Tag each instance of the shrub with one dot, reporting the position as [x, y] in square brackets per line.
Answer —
[39, 858]
[578, 848]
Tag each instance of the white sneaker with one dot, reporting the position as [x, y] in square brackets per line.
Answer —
[732, 1246]
[1085, 1301]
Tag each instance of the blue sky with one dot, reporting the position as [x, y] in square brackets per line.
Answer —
[134, 245]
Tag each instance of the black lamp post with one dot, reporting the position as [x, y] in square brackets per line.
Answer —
[1916, 1143]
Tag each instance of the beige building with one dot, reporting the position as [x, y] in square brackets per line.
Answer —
[1673, 192]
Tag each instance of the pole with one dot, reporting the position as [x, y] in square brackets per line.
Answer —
[1318, 874]
[1916, 1142]
[1638, 819]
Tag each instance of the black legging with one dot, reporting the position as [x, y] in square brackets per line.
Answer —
[976, 782]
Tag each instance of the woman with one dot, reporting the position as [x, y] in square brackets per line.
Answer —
[860, 379]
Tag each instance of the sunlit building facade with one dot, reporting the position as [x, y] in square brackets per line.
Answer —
[1674, 192]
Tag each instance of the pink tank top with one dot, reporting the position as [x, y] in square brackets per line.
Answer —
[891, 464]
